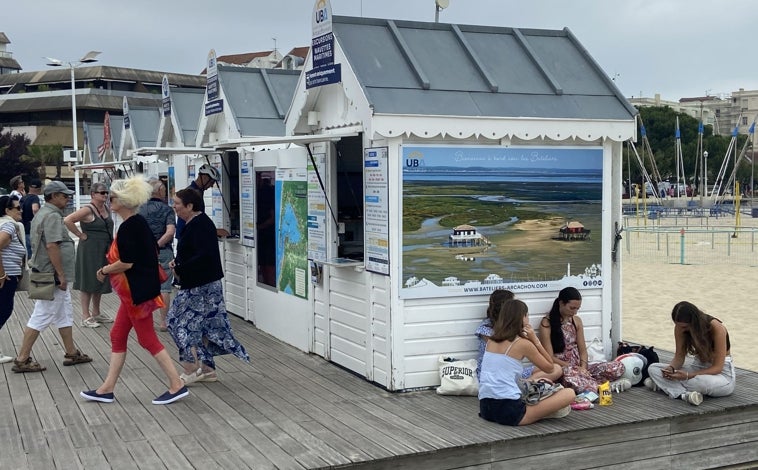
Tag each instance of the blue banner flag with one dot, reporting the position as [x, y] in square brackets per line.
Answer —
[734, 132]
[700, 128]
[752, 128]
[642, 131]
[678, 133]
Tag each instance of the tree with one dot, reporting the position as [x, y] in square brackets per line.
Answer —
[13, 161]
[43, 155]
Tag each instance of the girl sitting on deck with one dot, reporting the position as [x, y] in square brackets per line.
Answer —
[710, 373]
[562, 335]
[484, 332]
[512, 340]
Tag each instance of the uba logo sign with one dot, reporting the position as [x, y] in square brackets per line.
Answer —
[322, 12]
[414, 160]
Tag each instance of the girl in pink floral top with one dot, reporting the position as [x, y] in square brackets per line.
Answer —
[562, 335]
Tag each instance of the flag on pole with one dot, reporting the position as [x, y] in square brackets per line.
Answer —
[102, 148]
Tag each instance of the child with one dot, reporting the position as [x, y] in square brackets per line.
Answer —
[511, 341]
[484, 332]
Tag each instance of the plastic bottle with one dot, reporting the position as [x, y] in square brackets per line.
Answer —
[582, 405]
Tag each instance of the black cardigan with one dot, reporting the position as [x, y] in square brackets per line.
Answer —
[198, 260]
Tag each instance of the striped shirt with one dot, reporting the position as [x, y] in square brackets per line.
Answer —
[14, 253]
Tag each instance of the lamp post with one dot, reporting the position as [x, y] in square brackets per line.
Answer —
[87, 59]
[438, 6]
[705, 170]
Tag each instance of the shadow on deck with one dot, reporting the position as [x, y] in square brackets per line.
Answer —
[291, 410]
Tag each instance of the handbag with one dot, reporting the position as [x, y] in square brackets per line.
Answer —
[457, 377]
[532, 392]
[23, 281]
[41, 286]
[162, 274]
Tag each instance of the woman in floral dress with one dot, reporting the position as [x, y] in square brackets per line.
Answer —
[562, 335]
[197, 318]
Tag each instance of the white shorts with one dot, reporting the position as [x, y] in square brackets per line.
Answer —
[58, 312]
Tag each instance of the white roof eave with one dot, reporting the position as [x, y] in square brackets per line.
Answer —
[466, 127]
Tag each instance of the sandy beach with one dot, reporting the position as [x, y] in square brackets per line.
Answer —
[650, 290]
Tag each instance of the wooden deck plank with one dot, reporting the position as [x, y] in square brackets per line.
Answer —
[288, 409]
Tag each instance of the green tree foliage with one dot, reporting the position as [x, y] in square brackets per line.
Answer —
[13, 158]
[660, 126]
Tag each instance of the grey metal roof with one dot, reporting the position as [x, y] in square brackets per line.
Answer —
[258, 98]
[89, 98]
[63, 74]
[458, 70]
[187, 104]
[144, 124]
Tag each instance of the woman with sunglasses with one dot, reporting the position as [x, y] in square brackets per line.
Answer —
[13, 254]
[95, 232]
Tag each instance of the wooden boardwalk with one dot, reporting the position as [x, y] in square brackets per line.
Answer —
[290, 410]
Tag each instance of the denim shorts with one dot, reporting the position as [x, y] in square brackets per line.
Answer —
[502, 411]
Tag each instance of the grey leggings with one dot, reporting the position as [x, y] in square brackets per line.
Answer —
[716, 385]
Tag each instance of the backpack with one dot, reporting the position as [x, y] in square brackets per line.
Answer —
[648, 352]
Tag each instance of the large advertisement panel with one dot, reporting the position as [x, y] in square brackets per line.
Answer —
[291, 212]
[478, 218]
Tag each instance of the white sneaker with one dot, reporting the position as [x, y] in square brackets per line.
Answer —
[103, 318]
[651, 385]
[693, 398]
[4, 358]
[562, 413]
[90, 323]
[620, 385]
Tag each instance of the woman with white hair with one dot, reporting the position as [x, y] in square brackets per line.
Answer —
[134, 274]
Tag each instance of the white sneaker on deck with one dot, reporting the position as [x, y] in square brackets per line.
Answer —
[562, 413]
[4, 358]
[620, 385]
[649, 384]
[693, 398]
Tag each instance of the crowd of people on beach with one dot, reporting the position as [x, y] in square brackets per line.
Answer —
[143, 262]
[560, 363]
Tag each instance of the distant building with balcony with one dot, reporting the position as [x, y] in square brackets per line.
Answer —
[7, 63]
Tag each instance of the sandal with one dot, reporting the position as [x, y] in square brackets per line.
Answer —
[29, 365]
[77, 358]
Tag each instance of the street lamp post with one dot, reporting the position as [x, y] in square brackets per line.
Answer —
[705, 169]
[87, 59]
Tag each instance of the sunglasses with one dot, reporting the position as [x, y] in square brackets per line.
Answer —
[102, 193]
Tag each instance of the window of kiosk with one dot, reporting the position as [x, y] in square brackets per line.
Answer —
[265, 224]
[231, 191]
[350, 197]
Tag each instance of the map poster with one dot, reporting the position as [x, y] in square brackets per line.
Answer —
[317, 206]
[291, 212]
[376, 195]
[479, 218]
[247, 203]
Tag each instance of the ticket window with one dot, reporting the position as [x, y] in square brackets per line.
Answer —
[265, 223]
[350, 197]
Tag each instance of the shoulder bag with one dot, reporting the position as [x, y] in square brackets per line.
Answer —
[41, 285]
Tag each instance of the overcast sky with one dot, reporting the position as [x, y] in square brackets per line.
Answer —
[678, 48]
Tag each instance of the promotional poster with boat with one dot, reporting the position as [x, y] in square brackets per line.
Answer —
[478, 218]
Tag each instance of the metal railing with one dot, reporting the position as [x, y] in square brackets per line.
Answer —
[691, 244]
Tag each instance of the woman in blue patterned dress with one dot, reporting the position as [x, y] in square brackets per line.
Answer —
[197, 318]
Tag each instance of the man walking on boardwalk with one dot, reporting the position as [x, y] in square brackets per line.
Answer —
[53, 252]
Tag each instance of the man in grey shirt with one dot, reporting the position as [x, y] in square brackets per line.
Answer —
[53, 251]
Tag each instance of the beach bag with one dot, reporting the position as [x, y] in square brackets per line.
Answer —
[595, 351]
[647, 352]
[457, 377]
[41, 286]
